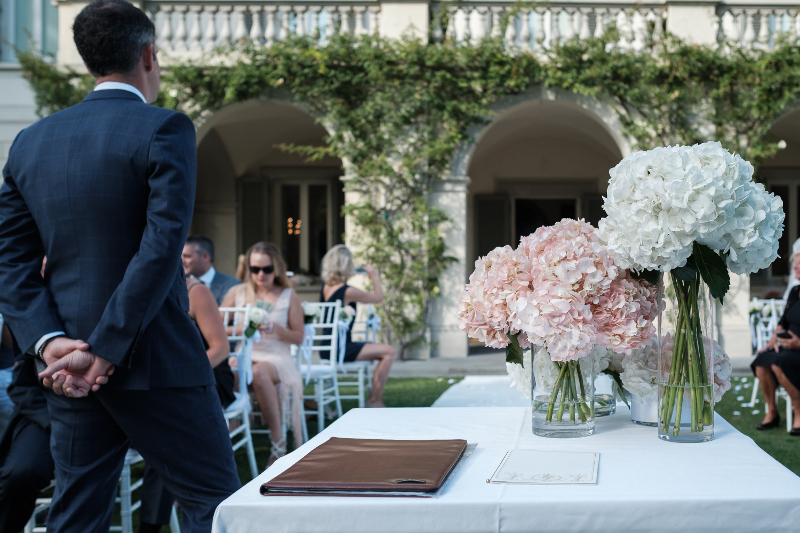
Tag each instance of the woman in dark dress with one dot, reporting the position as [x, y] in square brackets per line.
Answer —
[337, 268]
[779, 362]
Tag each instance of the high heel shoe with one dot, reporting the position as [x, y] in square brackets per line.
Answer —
[772, 424]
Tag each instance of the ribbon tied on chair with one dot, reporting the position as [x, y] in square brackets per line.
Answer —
[307, 348]
[343, 326]
[373, 327]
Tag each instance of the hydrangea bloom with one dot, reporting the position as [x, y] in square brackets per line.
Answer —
[640, 371]
[661, 201]
[560, 289]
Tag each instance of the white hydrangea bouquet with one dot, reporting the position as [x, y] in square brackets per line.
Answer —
[255, 319]
[691, 214]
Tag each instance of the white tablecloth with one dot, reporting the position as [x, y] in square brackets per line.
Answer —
[644, 484]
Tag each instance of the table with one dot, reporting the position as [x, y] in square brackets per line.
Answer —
[644, 484]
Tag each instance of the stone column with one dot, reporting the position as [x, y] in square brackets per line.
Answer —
[450, 195]
[693, 20]
[397, 19]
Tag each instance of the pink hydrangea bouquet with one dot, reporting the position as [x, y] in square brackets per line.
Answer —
[562, 291]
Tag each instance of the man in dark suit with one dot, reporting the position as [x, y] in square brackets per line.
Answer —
[198, 261]
[105, 189]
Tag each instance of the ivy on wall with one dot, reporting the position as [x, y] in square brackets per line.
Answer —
[399, 110]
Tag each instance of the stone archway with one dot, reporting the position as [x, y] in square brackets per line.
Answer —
[545, 156]
[246, 185]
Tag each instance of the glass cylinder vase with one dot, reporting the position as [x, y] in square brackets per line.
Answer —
[605, 396]
[562, 396]
[644, 410]
[685, 369]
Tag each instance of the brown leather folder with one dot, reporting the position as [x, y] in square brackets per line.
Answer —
[369, 467]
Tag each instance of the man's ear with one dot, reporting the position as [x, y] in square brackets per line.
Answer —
[148, 57]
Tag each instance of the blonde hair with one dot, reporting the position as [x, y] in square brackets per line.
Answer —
[243, 270]
[337, 265]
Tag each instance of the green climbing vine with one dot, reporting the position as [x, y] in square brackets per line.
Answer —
[399, 110]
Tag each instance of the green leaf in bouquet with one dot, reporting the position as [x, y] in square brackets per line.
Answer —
[650, 276]
[713, 269]
[688, 272]
[514, 351]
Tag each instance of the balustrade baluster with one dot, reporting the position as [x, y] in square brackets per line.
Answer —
[300, 21]
[600, 21]
[151, 12]
[638, 30]
[763, 29]
[556, 35]
[284, 27]
[462, 24]
[658, 19]
[541, 33]
[332, 28]
[272, 31]
[180, 30]
[241, 34]
[510, 35]
[495, 23]
[314, 27]
[256, 31]
[749, 27]
[361, 25]
[621, 19]
[166, 28]
[211, 27]
[478, 24]
[225, 32]
[569, 27]
[195, 34]
[374, 16]
[585, 31]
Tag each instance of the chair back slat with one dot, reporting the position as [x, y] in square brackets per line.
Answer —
[242, 346]
[325, 337]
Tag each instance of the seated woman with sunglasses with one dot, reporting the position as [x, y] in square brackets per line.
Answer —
[263, 273]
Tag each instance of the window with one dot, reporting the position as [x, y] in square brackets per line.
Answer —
[25, 24]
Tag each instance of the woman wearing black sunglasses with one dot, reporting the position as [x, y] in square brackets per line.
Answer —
[263, 273]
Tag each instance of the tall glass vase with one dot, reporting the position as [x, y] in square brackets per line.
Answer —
[685, 369]
[563, 396]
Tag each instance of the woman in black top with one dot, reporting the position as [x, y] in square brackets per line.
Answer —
[779, 362]
[337, 268]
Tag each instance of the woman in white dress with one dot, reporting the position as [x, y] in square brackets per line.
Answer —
[275, 376]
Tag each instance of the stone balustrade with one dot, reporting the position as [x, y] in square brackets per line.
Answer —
[192, 27]
[756, 24]
[544, 26]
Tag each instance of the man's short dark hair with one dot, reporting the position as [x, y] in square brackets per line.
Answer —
[110, 36]
[202, 244]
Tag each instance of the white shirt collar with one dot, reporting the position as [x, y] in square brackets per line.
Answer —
[208, 277]
[120, 86]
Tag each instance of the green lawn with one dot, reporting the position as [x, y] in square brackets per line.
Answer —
[776, 442]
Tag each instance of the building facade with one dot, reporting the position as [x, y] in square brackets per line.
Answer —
[544, 156]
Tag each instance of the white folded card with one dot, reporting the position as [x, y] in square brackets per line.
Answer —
[538, 467]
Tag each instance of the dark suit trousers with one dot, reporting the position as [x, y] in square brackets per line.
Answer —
[27, 468]
[179, 432]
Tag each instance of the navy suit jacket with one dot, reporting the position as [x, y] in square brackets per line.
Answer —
[105, 189]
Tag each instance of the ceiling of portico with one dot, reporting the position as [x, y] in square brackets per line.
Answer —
[249, 132]
[786, 128]
[543, 140]
[549, 119]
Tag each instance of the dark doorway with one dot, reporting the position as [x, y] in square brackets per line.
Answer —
[530, 214]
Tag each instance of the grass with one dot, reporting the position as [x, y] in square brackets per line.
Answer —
[777, 442]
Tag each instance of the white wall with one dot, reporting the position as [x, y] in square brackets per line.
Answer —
[17, 107]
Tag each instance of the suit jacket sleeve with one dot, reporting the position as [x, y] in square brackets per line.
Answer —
[25, 301]
[152, 271]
